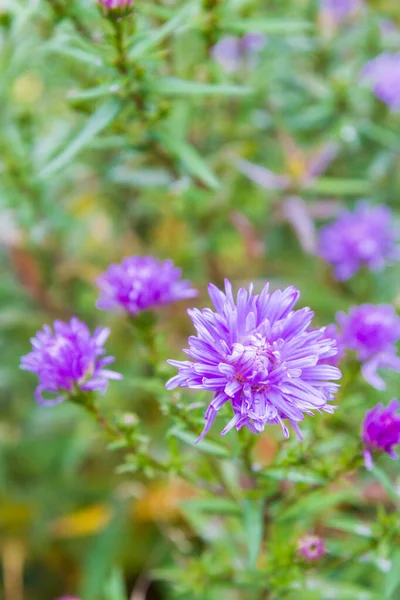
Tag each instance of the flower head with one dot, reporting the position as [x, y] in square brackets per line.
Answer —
[68, 360]
[364, 237]
[311, 547]
[383, 75]
[258, 355]
[231, 52]
[118, 7]
[141, 283]
[381, 431]
[372, 330]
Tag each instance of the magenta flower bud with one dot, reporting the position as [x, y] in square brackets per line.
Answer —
[141, 283]
[362, 238]
[257, 354]
[69, 360]
[311, 547]
[116, 7]
[381, 431]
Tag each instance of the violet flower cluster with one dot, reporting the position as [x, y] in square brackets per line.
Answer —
[69, 360]
[141, 283]
[381, 431]
[383, 75]
[372, 332]
[233, 52]
[311, 547]
[259, 355]
[364, 237]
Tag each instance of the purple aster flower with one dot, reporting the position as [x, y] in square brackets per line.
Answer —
[381, 431]
[258, 355]
[372, 332]
[231, 52]
[364, 237]
[311, 547]
[141, 283]
[383, 75]
[68, 360]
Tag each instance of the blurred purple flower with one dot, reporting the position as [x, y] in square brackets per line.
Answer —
[141, 283]
[364, 237]
[339, 10]
[301, 171]
[372, 332]
[381, 431]
[232, 52]
[383, 75]
[258, 355]
[311, 547]
[68, 360]
[332, 333]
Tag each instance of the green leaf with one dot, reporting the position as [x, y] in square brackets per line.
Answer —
[77, 54]
[393, 577]
[350, 525]
[292, 475]
[379, 134]
[114, 588]
[339, 187]
[314, 503]
[268, 26]
[205, 446]
[100, 556]
[190, 158]
[153, 38]
[213, 506]
[106, 89]
[386, 483]
[172, 86]
[95, 124]
[253, 521]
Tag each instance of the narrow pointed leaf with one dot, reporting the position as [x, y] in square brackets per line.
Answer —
[99, 120]
[253, 522]
[205, 446]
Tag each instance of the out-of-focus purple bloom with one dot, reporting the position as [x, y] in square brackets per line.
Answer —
[295, 212]
[141, 283]
[372, 332]
[233, 52]
[115, 5]
[259, 355]
[311, 547]
[364, 237]
[332, 332]
[381, 431]
[339, 10]
[383, 75]
[69, 360]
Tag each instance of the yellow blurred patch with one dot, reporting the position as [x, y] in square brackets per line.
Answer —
[296, 167]
[161, 501]
[27, 89]
[83, 522]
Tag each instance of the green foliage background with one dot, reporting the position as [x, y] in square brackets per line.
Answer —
[109, 150]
